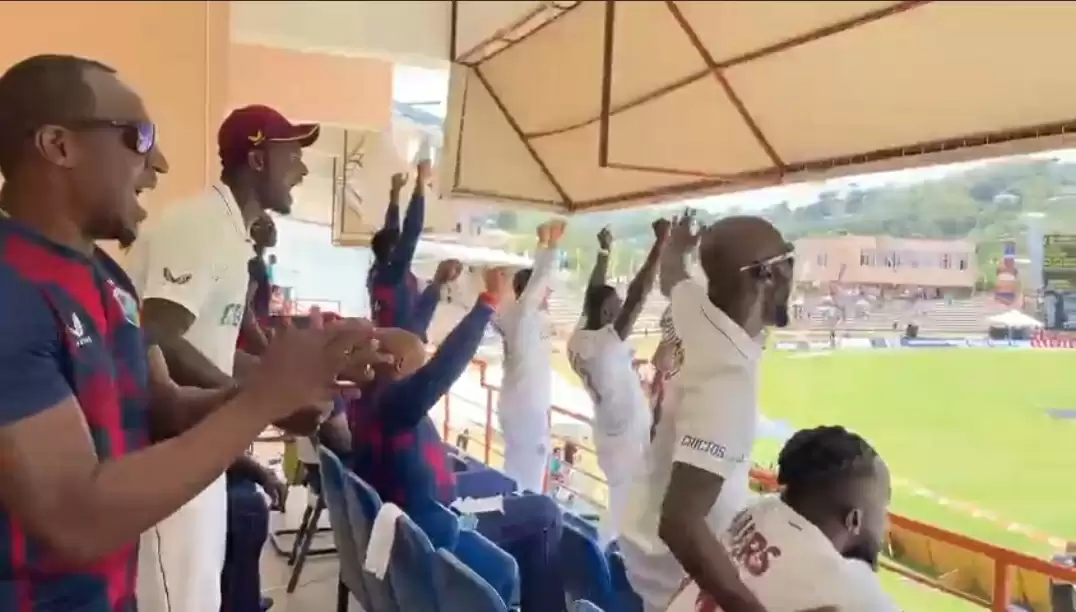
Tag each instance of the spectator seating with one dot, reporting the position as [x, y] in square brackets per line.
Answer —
[438, 566]
[460, 589]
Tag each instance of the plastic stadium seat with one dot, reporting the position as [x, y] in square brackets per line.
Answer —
[484, 482]
[460, 589]
[411, 568]
[626, 598]
[498, 568]
[332, 486]
[586, 570]
[363, 504]
[441, 526]
[583, 524]
[585, 606]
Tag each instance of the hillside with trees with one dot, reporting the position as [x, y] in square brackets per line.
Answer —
[986, 204]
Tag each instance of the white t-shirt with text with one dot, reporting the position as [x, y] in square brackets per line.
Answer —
[708, 422]
[791, 566]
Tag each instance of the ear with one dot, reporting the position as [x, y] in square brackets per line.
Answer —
[256, 160]
[853, 521]
[57, 145]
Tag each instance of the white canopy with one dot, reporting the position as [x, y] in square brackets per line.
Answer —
[1013, 319]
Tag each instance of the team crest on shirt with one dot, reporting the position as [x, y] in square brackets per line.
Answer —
[181, 279]
[128, 305]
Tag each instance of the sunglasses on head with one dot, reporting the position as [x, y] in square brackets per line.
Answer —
[138, 136]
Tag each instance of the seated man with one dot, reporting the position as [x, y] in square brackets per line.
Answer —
[248, 527]
[397, 449]
[815, 546]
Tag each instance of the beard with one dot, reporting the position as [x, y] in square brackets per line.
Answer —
[865, 551]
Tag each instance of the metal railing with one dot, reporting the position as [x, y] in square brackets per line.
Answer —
[1006, 563]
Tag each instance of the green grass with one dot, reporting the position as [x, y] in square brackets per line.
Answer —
[967, 424]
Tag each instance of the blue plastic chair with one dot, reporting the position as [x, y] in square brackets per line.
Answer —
[586, 570]
[441, 526]
[411, 568]
[585, 606]
[363, 504]
[627, 600]
[460, 589]
[332, 488]
[484, 482]
[498, 568]
[587, 527]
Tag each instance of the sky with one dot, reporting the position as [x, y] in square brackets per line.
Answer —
[413, 84]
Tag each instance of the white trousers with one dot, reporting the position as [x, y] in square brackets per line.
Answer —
[525, 426]
[620, 458]
[180, 560]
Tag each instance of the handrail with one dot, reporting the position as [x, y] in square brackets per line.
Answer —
[1005, 561]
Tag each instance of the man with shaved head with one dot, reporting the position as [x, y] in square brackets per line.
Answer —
[700, 459]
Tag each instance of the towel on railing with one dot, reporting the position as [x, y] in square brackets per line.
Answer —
[382, 537]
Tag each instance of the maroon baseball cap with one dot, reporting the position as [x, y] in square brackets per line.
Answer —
[252, 126]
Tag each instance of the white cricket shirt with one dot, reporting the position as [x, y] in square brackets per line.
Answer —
[709, 422]
[603, 362]
[790, 565]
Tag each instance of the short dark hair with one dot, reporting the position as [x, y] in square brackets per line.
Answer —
[42, 90]
[520, 280]
[593, 300]
[383, 242]
[823, 463]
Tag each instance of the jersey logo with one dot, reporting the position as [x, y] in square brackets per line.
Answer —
[78, 332]
[232, 315]
[128, 305]
[750, 549]
[182, 279]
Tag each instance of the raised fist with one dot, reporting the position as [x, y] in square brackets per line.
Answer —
[398, 181]
[550, 232]
[496, 281]
[683, 235]
[448, 271]
[605, 239]
[661, 229]
[425, 171]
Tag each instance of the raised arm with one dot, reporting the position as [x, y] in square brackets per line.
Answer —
[601, 264]
[447, 271]
[404, 251]
[601, 267]
[392, 212]
[643, 283]
[545, 262]
[674, 261]
[408, 401]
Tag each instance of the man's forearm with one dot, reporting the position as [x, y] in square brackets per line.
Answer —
[708, 563]
[638, 290]
[183, 408]
[128, 495]
[189, 367]
[601, 267]
[672, 269]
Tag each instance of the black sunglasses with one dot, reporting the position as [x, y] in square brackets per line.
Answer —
[138, 136]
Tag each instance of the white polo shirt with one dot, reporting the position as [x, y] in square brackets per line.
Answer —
[195, 255]
[603, 362]
[709, 422]
[790, 565]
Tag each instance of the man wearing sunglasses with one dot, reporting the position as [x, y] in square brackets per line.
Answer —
[81, 473]
[191, 267]
[700, 458]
